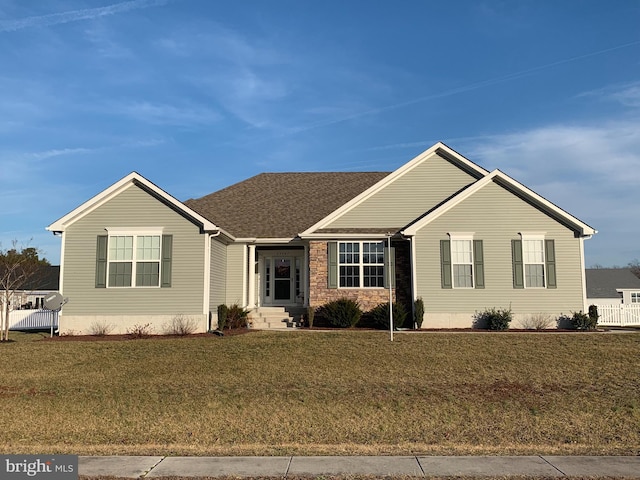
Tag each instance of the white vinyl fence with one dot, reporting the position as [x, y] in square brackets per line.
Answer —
[32, 319]
[623, 315]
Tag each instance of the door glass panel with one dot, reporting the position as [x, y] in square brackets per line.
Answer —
[282, 279]
[283, 268]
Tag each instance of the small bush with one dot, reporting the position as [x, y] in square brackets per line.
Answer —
[564, 322]
[100, 328]
[418, 308]
[223, 310]
[378, 317]
[342, 313]
[493, 319]
[593, 314]
[181, 325]
[237, 317]
[140, 331]
[582, 321]
[536, 321]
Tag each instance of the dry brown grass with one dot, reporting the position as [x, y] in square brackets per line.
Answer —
[324, 393]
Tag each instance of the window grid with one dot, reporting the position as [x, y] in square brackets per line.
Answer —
[134, 257]
[361, 264]
[533, 259]
[462, 263]
[635, 297]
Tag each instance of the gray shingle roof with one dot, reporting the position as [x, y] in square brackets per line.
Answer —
[281, 205]
[603, 282]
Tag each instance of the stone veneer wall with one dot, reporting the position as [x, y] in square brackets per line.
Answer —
[403, 274]
[319, 293]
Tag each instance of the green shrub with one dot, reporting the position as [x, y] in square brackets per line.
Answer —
[582, 321]
[378, 317]
[418, 308]
[223, 310]
[593, 314]
[493, 319]
[341, 313]
[237, 317]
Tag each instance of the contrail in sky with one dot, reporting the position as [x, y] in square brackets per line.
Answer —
[77, 15]
[466, 88]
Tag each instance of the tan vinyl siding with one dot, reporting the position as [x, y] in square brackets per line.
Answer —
[408, 196]
[496, 216]
[133, 208]
[235, 274]
[218, 275]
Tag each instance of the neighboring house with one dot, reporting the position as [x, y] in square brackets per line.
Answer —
[612, 286]
[27, 311]
[616, 293]
[462, 238]
[31, 296]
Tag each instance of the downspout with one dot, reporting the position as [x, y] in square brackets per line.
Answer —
[412, 262]
[207, 278]
[584, 273]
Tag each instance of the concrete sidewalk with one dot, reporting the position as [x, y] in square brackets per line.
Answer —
[419, 466]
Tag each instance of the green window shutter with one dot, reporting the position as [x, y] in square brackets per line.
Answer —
[518, 266]
[550, 260]
[478, 264]
[445, 263]
[332, 266]
[389, 262]
[101, 261]
[167, 251]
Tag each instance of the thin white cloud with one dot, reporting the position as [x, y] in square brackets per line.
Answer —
[77, 15]
[163, 114]
[590, 171]
[56, 153]
[245, 76]
[21, 167]
[627, 94]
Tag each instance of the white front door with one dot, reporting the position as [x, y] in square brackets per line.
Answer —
[281, 284]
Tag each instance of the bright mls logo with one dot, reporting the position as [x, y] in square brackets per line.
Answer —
[39, 467]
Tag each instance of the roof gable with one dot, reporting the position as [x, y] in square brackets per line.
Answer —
[133, 178]
[514, 187]
[439, 149]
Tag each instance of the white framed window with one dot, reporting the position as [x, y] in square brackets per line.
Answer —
[133, 259]
[635, 297]
[361, 264]
[462, 260]
[533, 260]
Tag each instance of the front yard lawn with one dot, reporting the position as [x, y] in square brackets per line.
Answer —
[306, 393]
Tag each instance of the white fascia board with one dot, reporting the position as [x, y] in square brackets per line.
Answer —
[266, 241]
[101, 198]
[584, 229]
[438, 148]
[340, 236]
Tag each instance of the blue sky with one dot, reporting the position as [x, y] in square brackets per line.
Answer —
[196, 95]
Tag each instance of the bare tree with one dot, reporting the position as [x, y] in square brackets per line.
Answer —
[634, 266]
[19, 267]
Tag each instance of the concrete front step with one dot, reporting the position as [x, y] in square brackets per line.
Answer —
[275, 318]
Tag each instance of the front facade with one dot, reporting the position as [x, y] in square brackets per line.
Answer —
[440, 228]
